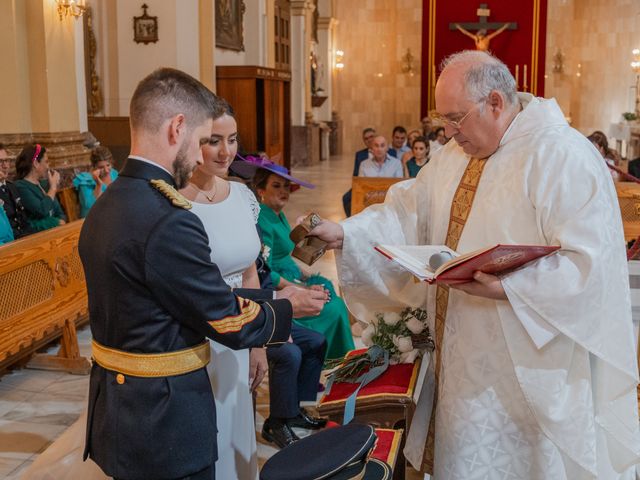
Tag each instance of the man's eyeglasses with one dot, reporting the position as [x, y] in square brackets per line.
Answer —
[5, 160]
[457, 124]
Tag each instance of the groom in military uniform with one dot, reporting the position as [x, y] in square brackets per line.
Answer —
[154, 297]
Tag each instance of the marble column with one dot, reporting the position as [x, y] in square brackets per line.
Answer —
[42, 87]
[305, 134]
[325, 54]
[300, 65]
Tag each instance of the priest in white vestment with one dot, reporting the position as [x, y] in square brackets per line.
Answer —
[538, 367]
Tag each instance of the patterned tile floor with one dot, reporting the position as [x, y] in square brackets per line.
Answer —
[36, 407]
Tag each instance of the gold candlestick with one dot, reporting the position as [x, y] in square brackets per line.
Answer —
[525, 82]
[517, 77]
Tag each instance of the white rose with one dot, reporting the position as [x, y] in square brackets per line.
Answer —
[403, 343]
[367, 335]
[391, 318]
[409, 357]
[415, 325]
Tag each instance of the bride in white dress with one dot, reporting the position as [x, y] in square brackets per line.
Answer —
[229, 212]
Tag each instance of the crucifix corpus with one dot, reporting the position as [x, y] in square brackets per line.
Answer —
[482, 37]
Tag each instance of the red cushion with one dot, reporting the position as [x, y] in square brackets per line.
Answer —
[386, 448]
[398, 380]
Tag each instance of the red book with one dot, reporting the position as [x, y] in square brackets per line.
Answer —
[499, 259]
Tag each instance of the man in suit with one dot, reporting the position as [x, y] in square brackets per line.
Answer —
[398, 142]
[10, 199]
[368, 134]
[154, 297]
[294, 374]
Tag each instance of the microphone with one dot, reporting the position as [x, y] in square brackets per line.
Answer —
[438, 259]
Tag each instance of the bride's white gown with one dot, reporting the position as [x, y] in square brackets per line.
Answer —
[235, 245]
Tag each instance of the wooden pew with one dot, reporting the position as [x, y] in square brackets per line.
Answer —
[44, 297]
[368, 191]
[629, 200]
[68, 198]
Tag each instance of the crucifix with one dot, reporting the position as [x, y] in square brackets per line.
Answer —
[482, 27]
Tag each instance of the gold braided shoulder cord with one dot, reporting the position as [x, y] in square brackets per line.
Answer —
[177, 199]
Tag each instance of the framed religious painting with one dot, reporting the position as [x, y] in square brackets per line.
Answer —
[145, 27]
[229, 29]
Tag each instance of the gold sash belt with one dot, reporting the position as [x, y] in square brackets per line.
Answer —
[152, 364]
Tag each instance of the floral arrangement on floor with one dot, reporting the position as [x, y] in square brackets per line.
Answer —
[392, 338]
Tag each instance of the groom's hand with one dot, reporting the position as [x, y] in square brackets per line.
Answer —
[330, 232]
[305, 302]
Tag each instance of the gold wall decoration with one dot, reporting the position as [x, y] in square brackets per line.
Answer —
[95, 100]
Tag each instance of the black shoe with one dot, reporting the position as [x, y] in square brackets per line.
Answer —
[304, 420]
[279, 433]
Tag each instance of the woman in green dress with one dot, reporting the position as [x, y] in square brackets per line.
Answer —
[38, 186]
[272, 185]
[421, 156]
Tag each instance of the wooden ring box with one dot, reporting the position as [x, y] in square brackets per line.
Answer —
[307, 249]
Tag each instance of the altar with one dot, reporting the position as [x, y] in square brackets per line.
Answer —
[629, 133]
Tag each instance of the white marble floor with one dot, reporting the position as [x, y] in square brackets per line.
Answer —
[36, 406]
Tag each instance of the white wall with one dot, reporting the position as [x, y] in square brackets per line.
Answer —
[136, 60]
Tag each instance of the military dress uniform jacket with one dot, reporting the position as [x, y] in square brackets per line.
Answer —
[152, 288]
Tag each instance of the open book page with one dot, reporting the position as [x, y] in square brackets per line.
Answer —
[498, 259]
[414, 258]
[460, 259]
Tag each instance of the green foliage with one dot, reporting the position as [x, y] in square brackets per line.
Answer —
[629, 116]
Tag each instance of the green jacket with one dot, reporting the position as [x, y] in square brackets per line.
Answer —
[42, 211]
[275, 235]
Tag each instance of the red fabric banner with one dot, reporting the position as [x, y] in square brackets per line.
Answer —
[523, 47]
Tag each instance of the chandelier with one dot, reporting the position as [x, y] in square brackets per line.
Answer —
[74, 8]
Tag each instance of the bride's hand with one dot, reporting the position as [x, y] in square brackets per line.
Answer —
[258, 367]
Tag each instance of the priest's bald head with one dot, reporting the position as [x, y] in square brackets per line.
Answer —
[477, 101]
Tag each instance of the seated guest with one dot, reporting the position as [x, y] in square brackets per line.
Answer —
[420, 157]
[380, 164]
[413, 134]
[439, 140]
[38, 186]
[427, 127]
[272, 186]
[10, 199]
[610, 156]
[6, 233]
[294, 375]
[361, 155]
[398, 142]
[90, 185]
[368, 135]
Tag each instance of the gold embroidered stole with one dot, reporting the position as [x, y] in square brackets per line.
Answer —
[460, 209]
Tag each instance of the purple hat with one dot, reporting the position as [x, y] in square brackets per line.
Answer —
[248, 166]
